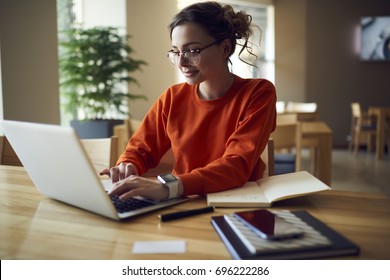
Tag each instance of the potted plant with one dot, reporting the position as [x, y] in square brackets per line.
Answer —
[95, 67]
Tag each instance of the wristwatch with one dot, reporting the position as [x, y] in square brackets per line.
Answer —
[171, 182]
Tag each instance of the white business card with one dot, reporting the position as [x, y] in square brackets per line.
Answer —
[160, 247]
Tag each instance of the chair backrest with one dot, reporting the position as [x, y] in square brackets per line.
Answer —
[360, 117]
[103, 152]
[301, 107]
[288, 136]
[356, 110]
[125, 131]
[268, 158]
[7, 153]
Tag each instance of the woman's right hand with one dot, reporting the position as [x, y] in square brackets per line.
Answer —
[122, 171]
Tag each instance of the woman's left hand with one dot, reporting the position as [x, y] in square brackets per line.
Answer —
[139, 186]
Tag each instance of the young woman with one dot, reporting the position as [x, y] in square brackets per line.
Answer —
[217, 124]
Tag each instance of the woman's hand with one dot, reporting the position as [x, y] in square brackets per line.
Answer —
[139, 186]
[127, 183]
[122, 171]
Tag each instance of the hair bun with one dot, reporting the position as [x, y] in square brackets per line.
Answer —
[239, 21]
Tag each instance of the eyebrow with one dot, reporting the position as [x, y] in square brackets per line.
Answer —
[187, 44]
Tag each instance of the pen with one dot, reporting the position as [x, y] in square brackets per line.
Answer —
[183, 214]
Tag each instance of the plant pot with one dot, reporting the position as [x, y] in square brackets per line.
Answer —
[88, 129]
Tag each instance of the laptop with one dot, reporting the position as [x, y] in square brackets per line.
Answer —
[57, 163]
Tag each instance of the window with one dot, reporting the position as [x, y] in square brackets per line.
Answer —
[88, 14]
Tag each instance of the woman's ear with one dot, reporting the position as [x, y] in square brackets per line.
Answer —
[227, 48]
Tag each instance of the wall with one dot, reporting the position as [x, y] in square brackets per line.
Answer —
[1, 92]
[29, 64]
[147, 22]
[290, 50]
[330, 71]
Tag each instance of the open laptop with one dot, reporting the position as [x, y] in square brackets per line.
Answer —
[57, 163]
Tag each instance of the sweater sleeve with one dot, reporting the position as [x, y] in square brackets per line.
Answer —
[242, 150]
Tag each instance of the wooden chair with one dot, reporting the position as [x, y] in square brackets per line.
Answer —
[268, 157]
[363, 128]
[125, 131]
[7, 153]
[287, 139]
[103, 152]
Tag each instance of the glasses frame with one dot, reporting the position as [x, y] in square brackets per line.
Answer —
[192, 51]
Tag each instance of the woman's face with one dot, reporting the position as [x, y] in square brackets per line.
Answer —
[212, 59]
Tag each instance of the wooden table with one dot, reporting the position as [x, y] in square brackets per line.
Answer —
[33, 226]
[318, 135]
[302, 116]
[383, 115]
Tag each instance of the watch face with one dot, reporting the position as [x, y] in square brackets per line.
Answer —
[168, 178]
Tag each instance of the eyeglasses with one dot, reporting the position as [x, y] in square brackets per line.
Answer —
[191, 56]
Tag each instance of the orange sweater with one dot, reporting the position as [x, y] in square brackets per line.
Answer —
[216, 144]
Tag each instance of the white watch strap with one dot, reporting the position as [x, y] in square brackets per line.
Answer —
[171, 182]
[173, 188]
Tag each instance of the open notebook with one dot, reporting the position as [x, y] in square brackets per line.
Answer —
[57, 163]
[264, 192]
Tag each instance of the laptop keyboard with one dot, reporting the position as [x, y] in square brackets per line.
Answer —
[123, 206]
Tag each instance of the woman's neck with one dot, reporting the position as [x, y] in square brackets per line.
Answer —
[214, 89]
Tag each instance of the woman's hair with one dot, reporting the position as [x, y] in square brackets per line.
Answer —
[220, 22]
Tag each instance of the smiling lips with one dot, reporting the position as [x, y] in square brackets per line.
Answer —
[189, 72]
